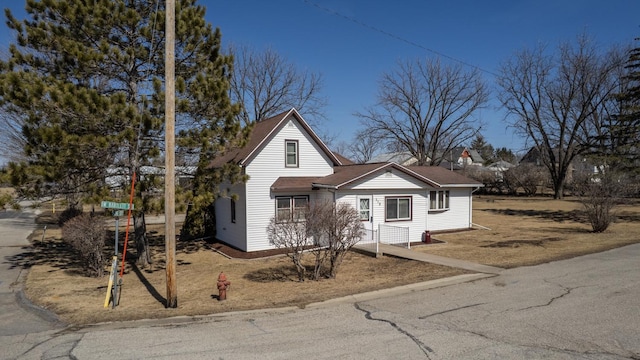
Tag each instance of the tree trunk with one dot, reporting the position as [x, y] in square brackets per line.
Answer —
[142, 242]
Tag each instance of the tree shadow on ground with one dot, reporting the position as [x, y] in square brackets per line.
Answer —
[49, 252]
[518, 243]
[157, 240]
[282, 273]
[554, 215]
[150, 288]
[627, 216]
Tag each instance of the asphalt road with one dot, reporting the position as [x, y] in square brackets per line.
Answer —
[17, 315]
[583, 308]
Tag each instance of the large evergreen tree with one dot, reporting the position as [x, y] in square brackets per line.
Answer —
[485, 149]
[85, 81]
[619, 142]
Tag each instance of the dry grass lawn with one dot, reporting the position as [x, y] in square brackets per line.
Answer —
[524, 231]
[530, 231]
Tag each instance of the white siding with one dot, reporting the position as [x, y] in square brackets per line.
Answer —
[419, 205]
[227, 231]
[457, 217]
[269, 165]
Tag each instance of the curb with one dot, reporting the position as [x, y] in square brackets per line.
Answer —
[372, 295]
[378, 294]
[44, 314]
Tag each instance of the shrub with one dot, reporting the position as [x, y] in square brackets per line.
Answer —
[86, 235]
[338, 228]
[68, 214]
[526, 176]
[600, 195]
[292, 236]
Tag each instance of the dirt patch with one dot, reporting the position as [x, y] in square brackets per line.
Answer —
[524, 231]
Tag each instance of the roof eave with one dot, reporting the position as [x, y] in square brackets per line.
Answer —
[323, 186]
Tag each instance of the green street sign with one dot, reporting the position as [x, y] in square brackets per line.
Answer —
[115, 205]
[118, 213]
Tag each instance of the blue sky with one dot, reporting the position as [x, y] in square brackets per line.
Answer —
[351, 55]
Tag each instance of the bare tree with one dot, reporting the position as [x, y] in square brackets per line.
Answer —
[364, 147]
[558, 102]
[290, 235]
[427, 108]
[267, 84]
[338, 228]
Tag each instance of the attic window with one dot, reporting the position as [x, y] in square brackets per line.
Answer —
[291, 153]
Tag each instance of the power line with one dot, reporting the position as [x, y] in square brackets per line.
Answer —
[396, 37]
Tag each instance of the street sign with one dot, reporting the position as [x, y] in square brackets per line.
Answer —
[115, 205]
[118, 213]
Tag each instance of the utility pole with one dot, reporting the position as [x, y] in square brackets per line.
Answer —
[169, 153]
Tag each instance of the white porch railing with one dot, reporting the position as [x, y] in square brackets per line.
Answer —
[394, 235]
[369, 240]
[386, 234]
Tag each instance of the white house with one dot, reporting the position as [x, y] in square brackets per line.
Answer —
[289, 167]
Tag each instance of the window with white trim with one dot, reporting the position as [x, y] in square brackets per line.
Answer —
[439, 200]
[398, 208]
[291, 208]
[291, 153]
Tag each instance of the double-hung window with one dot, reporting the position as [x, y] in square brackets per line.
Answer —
[291, 153]
[439, 200]
[291, 208]
[398, 208]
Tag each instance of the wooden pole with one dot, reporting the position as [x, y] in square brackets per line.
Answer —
[169, 176]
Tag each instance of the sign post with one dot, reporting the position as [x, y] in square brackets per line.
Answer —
[112, 288]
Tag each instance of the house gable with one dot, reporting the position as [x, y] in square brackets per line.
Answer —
[263, 132]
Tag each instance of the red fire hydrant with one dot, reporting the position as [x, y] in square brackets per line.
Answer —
[223, 285]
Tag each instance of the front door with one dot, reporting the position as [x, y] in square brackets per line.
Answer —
[365, 211]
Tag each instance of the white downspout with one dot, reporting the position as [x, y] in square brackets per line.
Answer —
[471, 207]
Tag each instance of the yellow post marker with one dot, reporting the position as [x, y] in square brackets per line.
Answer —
[112, 276]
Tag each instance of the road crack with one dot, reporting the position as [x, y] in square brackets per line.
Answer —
[450, 310]
[567, 291]
[425, 349]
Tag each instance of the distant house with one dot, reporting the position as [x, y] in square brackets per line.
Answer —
[289, 167]
[463, 156]
[533, 156]
[118, 177]
[401, 157]
[498, 168]
[455, 159]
